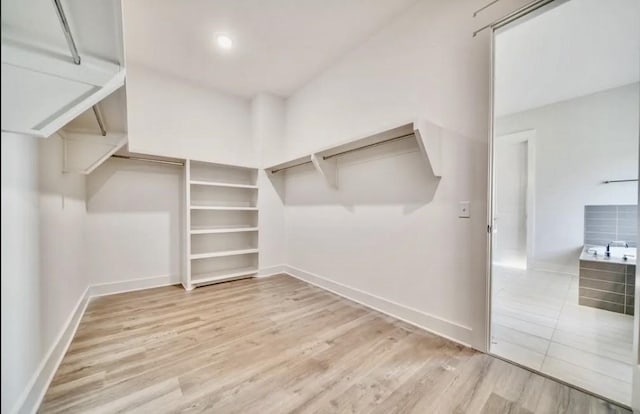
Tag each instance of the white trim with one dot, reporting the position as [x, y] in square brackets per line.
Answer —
[441, 327]
[111, 288]
[272, 270]
[34, 392]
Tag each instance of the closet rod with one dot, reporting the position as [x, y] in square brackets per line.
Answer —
[290, 166]
[126, 157]
[375, 144]
[98, 115]
[67, 32]
[620, 181]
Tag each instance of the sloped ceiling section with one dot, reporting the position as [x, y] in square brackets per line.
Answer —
[42, 88]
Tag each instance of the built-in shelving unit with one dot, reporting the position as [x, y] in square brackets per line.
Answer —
[426, 134]
[222, 223]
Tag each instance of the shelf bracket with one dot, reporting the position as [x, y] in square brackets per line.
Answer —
[328, 168]
[429, 137]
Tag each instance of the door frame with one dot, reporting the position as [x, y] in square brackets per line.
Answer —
[530, 9]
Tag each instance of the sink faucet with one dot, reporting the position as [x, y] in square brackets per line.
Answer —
[617, 243]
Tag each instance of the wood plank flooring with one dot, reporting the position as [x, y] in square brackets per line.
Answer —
[279, 345]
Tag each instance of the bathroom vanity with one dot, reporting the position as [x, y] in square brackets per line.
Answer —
[607, 275]
[607, 282]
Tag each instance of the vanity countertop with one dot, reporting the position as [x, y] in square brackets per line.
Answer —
[597, 254]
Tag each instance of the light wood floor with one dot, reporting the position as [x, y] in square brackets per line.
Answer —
[278, 345]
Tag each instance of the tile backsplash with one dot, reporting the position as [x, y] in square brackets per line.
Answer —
[603, 224]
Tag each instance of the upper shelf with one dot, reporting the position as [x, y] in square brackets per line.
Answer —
[53, 88]
[305, 159]
[427, 135]
[58, 61]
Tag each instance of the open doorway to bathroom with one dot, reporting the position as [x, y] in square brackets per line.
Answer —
[564, 192]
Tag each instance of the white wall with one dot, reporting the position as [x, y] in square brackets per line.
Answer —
[173, 117]
[21, 325]
[579, 144]
[267, 123]
[134, 222]
[392, 231]
[62, 212]
[43, 274]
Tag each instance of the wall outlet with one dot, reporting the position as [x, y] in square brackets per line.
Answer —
[464, 209]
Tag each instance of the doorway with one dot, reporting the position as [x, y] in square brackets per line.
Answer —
[564, 193]
[514, 205]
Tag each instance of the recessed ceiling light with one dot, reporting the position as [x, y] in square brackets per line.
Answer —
[224, 42]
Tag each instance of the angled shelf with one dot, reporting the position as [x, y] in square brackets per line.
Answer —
[426, 134]
[221, 235]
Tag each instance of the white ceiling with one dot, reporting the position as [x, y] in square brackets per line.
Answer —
[575, 49]
[279, 44]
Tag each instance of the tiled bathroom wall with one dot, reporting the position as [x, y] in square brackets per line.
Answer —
[603, 224]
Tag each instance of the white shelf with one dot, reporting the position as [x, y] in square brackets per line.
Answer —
[305, 159]
[219, 246]
[222, 275]
[222, 254]
[223, 208]
[426, 134]
[220, 184]
[215, 230]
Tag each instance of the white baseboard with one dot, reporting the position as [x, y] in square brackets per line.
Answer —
[33, 394]
[102, 289]
[442, 327]
[272, 270]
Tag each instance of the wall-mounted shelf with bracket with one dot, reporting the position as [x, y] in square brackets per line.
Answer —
[426, 134]
[285, 165]
[83, 152]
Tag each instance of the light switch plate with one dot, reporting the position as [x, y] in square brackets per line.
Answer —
[464, 209]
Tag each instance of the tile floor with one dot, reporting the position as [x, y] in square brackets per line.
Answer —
[538, 323]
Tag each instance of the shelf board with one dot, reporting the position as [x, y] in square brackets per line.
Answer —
[222, 254]
[305, 159]
[220, 184]
[222, 275]
[222, 208]
[214, 230]
[427, 135]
